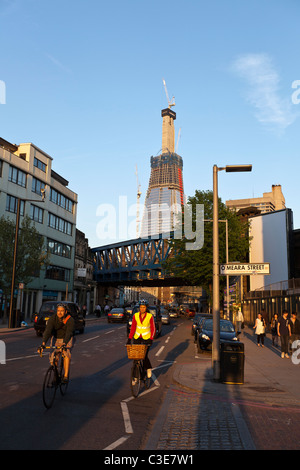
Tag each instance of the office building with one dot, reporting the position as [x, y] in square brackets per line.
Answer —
[269, 202]
[26, 173]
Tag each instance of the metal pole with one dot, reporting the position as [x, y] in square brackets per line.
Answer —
[216, 281]
[11, 323]
[227, 275]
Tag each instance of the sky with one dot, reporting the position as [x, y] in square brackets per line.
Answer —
[83, 81]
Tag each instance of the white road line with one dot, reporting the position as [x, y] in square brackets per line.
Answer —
[160, 351]
[117, 443]
[110, 331]
[91, 339]
[126, 418]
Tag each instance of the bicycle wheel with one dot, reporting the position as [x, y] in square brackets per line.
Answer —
[135, 379]
[49, 387]
[62, 386]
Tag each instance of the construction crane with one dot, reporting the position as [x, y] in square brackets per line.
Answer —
[170, 103]
[138, 196]
[178, 140]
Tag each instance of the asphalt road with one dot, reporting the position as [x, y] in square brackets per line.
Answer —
[98, 411]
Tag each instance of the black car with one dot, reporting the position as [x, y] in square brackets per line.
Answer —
[155, 311]
[198, 319]
[49, 308]
[205, 333]
[116, 315]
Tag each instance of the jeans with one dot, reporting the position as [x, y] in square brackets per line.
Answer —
[284, 341]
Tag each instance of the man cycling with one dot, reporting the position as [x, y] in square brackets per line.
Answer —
[142, 331]
[61, 326]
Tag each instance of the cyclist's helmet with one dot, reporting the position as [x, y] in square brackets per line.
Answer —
[143, 302]
[62, 305]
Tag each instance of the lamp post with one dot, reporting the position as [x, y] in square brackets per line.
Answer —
[11, 323]
[216, 271]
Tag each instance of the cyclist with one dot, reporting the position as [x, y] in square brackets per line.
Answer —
[142, 331]
[61, 326]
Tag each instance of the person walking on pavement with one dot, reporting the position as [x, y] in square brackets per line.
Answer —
[284, 332]
[295, 331]
[260, 330]
[239, 321]
[274, 323]
[265, 317]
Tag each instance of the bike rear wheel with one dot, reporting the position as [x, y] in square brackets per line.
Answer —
[135, 379]
[49, 387]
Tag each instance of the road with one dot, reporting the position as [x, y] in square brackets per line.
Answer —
[98, 411]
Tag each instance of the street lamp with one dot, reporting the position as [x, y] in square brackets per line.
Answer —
[216, 271]
[11, 323]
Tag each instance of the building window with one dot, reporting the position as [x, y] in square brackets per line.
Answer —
[59, 224]
[58, 273]
[61, 200]
[39, 164]
[36, 214]
[12, 205]
[58, 248]
[17, 176]
[37, 186]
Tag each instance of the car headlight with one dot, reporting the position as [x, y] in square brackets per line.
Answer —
[205, 337]
[234, 339]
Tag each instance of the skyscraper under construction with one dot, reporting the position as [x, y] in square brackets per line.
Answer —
[165, 195]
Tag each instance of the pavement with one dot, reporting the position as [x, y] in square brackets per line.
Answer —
[262, 413]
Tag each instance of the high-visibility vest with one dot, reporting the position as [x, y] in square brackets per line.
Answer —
[143, 329]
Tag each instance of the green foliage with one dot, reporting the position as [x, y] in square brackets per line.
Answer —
[31, 255]
[195, 267]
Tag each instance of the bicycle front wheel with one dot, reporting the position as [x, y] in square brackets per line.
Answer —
[49, 387]
[135, 379]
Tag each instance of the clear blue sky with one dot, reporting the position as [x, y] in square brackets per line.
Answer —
[84, 83]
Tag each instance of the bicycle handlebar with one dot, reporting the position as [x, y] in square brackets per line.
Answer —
[40, 350]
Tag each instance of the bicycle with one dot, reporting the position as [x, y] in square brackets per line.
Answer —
[137, 353]
[54, 376]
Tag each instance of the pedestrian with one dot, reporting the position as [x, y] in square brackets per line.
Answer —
[106, 310]
[98, 310]
[274, 323]
[295, 331]
[265, 317]
[239, 321]
[284, 333]
[260, 330]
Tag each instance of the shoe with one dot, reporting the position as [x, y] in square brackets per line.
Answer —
[134, 381]
[149, 373]
[282, 355]
[287, 356]
[64, 380]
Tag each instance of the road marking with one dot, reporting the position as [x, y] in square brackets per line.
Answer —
[126, 418]
[117, 443]
[160, 351]
[91, 339]
[110, 331]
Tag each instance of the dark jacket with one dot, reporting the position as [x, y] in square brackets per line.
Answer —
[59, 329]
[295, 327]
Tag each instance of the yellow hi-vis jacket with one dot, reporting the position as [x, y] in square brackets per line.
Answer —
[143, 329]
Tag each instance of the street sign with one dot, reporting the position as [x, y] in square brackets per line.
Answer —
[241, 269]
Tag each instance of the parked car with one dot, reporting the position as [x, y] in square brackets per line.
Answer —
[116, 315]
[49, 308]
[155, 311]
[165, 316]
[205, 333]
[198, 319]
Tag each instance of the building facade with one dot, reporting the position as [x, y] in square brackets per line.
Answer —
[269, 202]
[26, 174]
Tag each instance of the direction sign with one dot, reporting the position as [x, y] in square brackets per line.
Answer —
[240, 269]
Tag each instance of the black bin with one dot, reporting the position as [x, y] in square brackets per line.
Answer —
[232, 360]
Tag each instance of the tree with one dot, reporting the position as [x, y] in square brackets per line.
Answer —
[195, 267]
[31, 255]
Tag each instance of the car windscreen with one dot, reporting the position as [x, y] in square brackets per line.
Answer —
[225, 326]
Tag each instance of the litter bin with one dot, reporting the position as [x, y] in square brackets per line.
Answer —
[232, 360]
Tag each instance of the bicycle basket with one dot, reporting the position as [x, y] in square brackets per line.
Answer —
[136, 351]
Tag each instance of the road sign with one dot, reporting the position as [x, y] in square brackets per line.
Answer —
[240, 269]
